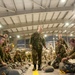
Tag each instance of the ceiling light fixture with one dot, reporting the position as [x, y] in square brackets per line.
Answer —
[10, 37]
[71, 34]
[67, 24]
[0, 26]
[18, 36]
[45, 35]
[63, 1]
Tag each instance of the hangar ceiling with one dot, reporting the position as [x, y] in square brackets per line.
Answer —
[22, 17]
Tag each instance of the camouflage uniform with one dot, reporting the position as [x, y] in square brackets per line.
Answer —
[66, 66]
[1, 54]
[72, 54]
[17, 58]
[7, 57]
[63, 42]
[37, 41]
[60, 53]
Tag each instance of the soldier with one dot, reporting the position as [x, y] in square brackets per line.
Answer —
[36, 43]
[2, 39]
[17, 57]
[60, 53]
[4, 69]
[7, 55]
[70, 67]
[62, 41]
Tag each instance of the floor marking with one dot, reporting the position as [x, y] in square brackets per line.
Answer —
[35, 72]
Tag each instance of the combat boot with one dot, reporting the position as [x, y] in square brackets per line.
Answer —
[39, 67]
[34, 67]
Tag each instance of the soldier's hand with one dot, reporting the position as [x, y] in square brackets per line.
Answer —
[30, 46]
[64, 59]
[4, 64]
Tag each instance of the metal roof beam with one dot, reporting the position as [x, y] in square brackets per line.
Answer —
[37, 11]
[49, 29]
[11, 26]
[7, 9]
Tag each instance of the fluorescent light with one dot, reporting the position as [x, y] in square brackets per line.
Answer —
[67, 24]
[53, 38]
[0, 26]
[10, 37]
[63, 1]
[56, 34]
[18, 36]
[72, 24]
[45, 35]
[71, 34]
[65, 30]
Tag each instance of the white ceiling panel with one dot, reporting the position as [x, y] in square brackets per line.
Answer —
[62, 14]
[28, 4]
[19, 4]
[73, 17]
[70, 13]
[60, 31]
[30, 33]
[19, 29]
[45, 3]
[22, 18]
[47, 31]
[61, 24]
[35, 27]
[50, 25]
[26, 34]
[49, 15]
[42, 16]
[35, 16]
[55, 15]
[55, 25]
[35, 5]
[9, 4]
[24, 28]
[70, 2]
[1, 9]
[51, 31]
[14, 30]
[46, 25]
[29, 17]
[15, 19]
[1, 3]
[8, 20]
[71, 25]
[54, 3]
[56, 31]
[29, 27]
[61, 4]
[2, 21]
[9, 30]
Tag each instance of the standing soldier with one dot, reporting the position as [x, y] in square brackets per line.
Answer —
[36, 43]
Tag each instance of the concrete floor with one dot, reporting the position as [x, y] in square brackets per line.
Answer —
[56, 72]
